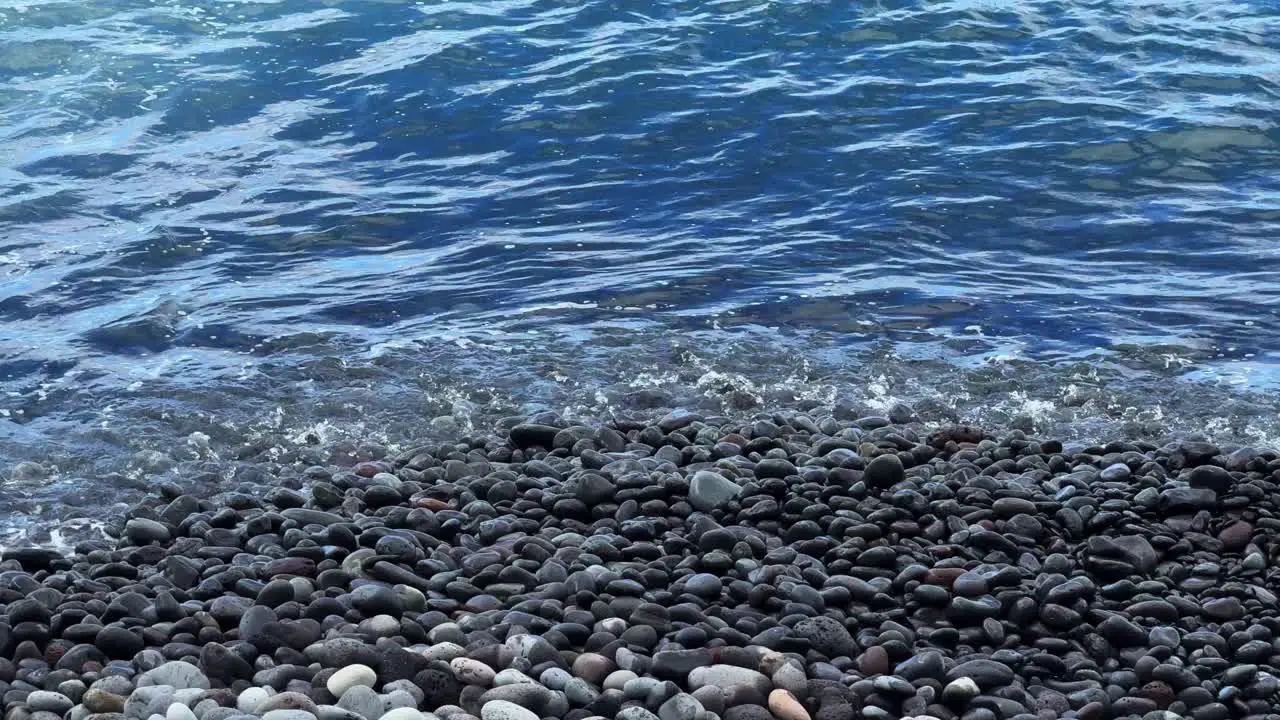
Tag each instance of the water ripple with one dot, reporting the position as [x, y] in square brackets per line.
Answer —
[189, 191]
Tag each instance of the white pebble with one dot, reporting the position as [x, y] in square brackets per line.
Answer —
[617, 679]
[288, 714]
[403, 713]
[178, 711]
[445, 651]
[504, 710]
[349, 677]
[189, 696]
[512, 677]
[251, 699]
[472, 672]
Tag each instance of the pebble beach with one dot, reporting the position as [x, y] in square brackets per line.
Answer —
[787, 566]
[633, 360]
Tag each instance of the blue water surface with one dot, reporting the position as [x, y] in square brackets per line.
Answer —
[213, 214]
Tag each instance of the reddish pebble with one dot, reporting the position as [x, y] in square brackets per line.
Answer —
[905, 528]
[944, 576]
[1236, 536]
[369, 469]
[54, 653]
[1092, 711]
[290, 566]
[1160, 693]
[431, 504]
[875, 661]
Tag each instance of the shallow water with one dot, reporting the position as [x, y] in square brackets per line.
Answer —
[232, 227]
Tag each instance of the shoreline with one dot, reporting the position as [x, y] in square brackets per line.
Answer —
[790, 568]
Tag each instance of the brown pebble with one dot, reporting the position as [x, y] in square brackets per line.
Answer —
[1236, 536]
[944, 576]
[785, 706]
[1092, 711]
[1159, 692]
[875, 661]
[905, 528]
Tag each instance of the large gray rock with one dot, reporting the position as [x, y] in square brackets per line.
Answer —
[363, 701]
[884, 471]
[828, 636]
[725, 676]
[709, 490]
[179, 675]
[43, 700]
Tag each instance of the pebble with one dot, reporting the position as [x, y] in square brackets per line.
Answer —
[406, 713]
[351, 676]
[53, 702]
[593, 667]
[472, 672]
[286, 715]
[251, 699]
[503, 710]
[178, 711]
[680, 707]
[790, 566]
[97, 700]
[724, 676]
[618, 679]
[960, 691]
[709, 490]
[178, 675]
[785, 706]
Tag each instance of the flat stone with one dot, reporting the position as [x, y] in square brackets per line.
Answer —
[179, 675]
[287, 715]
[44, 701]
[985, 673]
[406, 713]
[141, 531]
[724, 676]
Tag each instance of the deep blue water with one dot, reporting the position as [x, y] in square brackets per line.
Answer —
[225, 226]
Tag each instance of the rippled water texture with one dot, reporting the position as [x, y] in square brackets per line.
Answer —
[275, 214]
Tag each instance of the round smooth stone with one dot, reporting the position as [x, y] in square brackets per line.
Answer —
[785, 706]
[350, 676]
[472, 672]
[504, 710]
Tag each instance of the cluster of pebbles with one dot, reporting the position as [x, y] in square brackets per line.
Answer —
[787, 567]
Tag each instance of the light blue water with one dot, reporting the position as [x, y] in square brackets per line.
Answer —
[249, 220]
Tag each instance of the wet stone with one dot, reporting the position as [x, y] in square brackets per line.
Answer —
[783, 567]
